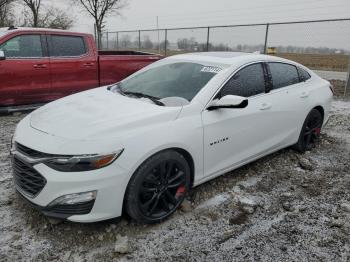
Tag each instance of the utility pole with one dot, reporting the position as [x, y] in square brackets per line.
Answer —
[158, 35]
[107, 40]
[139, 39]
[266, 37]
[347, 84]
[208, 38]
[165, 41]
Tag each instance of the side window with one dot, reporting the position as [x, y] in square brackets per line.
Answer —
[23, 46]
[304, 75]
[283, 75]
[62, 45]
[249, 81]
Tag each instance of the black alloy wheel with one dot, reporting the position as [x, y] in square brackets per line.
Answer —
[158, 187]
[310, 132]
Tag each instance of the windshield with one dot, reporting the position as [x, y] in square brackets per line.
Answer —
[179, 79]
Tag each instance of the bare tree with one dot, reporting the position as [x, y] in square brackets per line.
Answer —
[34, 6]
[55, 18]
[147, 43]
[99, 10]
[6, 15]
[125, 41]
[4, 2]
[38, 15]
[187, 44]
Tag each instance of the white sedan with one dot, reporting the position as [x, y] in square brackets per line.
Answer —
[140, 145]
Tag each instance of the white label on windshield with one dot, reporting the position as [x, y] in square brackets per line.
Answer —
[211, 69]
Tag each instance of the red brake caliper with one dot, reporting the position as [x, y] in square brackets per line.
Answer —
[180, 191]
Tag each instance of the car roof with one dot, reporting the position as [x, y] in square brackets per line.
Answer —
[228, 58]
[37, 29]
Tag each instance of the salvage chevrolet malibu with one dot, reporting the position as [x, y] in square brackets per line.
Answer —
[141, 144]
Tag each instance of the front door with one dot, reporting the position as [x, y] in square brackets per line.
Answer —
[233, 136]
[25, 73]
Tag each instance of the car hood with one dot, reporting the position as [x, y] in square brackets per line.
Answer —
[99, 113]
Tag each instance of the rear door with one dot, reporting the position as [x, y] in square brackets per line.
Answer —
[290, 99]
[25, 74]
[73, 65]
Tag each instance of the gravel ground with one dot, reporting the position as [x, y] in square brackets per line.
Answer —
[284, 207]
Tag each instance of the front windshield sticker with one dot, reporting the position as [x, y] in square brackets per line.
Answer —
[211, 69]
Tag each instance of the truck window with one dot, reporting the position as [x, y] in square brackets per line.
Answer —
[23, 46]
[62, 46]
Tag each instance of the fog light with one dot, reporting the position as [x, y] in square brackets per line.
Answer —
[75, 198]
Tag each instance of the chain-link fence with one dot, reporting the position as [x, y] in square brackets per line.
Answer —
[322, 45]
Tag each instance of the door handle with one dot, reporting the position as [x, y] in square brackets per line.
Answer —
[304, 94]
[265, 106]
[88, 64]
[40, 66]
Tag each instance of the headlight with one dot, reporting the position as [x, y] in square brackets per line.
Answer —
[83, 162]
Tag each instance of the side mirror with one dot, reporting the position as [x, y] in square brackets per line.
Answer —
[2, 55]
[228, 101]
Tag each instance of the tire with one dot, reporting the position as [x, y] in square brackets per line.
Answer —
[310, 132]
[158, 187]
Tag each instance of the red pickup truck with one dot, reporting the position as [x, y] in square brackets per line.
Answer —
[41, 65]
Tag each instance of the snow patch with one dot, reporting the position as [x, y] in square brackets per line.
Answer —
[251, 181]
[215, 201]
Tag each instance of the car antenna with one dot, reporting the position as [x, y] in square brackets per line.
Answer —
[12, 27]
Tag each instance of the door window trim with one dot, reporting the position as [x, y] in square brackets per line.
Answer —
[300, 76]
[44, 48]
[263, 64]
[50, 46]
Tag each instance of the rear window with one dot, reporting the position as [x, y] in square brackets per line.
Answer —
[283, 75]
[67, 46]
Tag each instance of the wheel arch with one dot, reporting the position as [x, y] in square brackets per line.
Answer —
[321, 110]
[189, 160]
[188, 157]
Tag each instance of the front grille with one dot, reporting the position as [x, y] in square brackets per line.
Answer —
[26, 178]
[30, 152]
[76, 209]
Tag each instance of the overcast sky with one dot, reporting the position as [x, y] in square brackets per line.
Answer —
[141, 14]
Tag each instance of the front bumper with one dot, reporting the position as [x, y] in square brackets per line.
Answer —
[109, 182]
[62, 211]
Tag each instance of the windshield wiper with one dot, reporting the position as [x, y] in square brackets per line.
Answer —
[139, 94]
[136, 94]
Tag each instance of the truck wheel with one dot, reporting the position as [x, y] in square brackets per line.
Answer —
[310, 131]
[158, 187]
